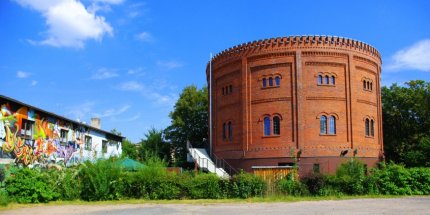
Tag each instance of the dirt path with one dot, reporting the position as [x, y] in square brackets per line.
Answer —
[403, 206]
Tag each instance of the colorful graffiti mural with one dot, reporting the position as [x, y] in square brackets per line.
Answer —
[32, 139]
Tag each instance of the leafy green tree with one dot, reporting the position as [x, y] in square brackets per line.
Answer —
[154, 145]
[129, 149]
[406, 122]
[189, 122]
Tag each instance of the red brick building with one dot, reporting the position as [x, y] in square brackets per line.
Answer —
[310, 100]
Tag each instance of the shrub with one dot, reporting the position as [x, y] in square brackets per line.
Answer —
[245, 185]
[291, 186]
[350, 177]
[314, 183]
[66, 183]
[420, 181]
[30, 186]
[4, 198]
[99, 180]
[206, 186]
[391, 179]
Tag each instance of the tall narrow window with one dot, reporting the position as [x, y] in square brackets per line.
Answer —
[366, 125]
[223, 92]
[333, 80]
[88, 143]
[323, 125]
[332, 128]
[372, 128]
[104, 146]
[271, 81]
[223, 131]
[277, 80]
[371, 86]
[364, 84]
[276, 125]
[368, 85]
[266, 126]
[326, 79]
[264, 82]
[231, 88]
[320, 79]
[230, 131]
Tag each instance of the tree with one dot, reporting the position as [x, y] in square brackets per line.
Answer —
[406, 122]
[154, 146]
[129, 149]
[189, 122]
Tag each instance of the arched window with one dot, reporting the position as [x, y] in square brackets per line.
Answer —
[326, 79]
[320, 81]
[230, 131]
[368, 85]
[332, 127]
[266, 126]
[364, 84]
[371, 87]
[271, 81]
[276, 125]
[323, 125]
[372, 129]
[366, 125]
[264, 82]
[277, 80]
[333, 81]
[223, 131]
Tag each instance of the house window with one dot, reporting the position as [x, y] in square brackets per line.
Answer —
[372, 129]
[316, 168]
[88, 143]
[63, 136]
[366, 125]
[333, 80]
[278, 81]
[223, 92]
[26, 128]
[266, 126]
[276, 125]
[104, 146]
[367, 85]
[264, 82]
[323, 125]
[326, 79]
[364, 84]
[271, 82]
[224, 128]
[231, 88]
[320, 79]
[332, 127]
[230, 131]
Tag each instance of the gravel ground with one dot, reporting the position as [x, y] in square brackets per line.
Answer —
[403, 206]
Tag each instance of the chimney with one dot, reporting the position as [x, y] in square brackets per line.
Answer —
[95, 122]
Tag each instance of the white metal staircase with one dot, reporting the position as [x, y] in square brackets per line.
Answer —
[203, 161]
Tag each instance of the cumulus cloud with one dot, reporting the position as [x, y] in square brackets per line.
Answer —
[69, 23]
[169, 64]
[415, 57]
[104, 73]
[22, 74]
[144, 37]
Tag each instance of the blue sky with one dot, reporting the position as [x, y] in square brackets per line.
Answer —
[127, 61]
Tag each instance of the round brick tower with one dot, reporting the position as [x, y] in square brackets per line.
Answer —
[314, 101]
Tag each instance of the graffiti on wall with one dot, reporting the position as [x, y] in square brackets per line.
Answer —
[29, 138]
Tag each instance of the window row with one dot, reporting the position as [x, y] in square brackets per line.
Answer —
[227, 90]
[331, 125]
[268, 82]
[367, 85]
[326, 80]
[369, 125]
[227, 128]
[270, 123]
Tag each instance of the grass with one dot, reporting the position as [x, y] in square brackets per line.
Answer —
[268, 199]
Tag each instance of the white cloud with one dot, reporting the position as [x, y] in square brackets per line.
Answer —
[129, 119]
[104, 73]
[170, 64]
[80, 111]
[144, 37]
[22, 74]
[131, 86]
[415, 57]
[69, 23]
[137, 71]
[34, 83]
[112, 112]
[110, 1]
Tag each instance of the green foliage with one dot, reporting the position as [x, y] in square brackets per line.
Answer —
[207, 186]
[189, 122]
[154, 145]
[350, 177]
[66, 183]
[130, 150]
[315, 183]
[392, 179]
[246, 185]
[4, 198]
[406, 115]
[30, 186]
[291, 186]
[99, 180]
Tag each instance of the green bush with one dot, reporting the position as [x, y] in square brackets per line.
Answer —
[350, 178]
[420, 181]
[391, 179]
[245, 185]
[207, 186]
[30, 186]
[291, 186]
[66, 183]
[4, 198]
[315, 182]
[99, 180]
